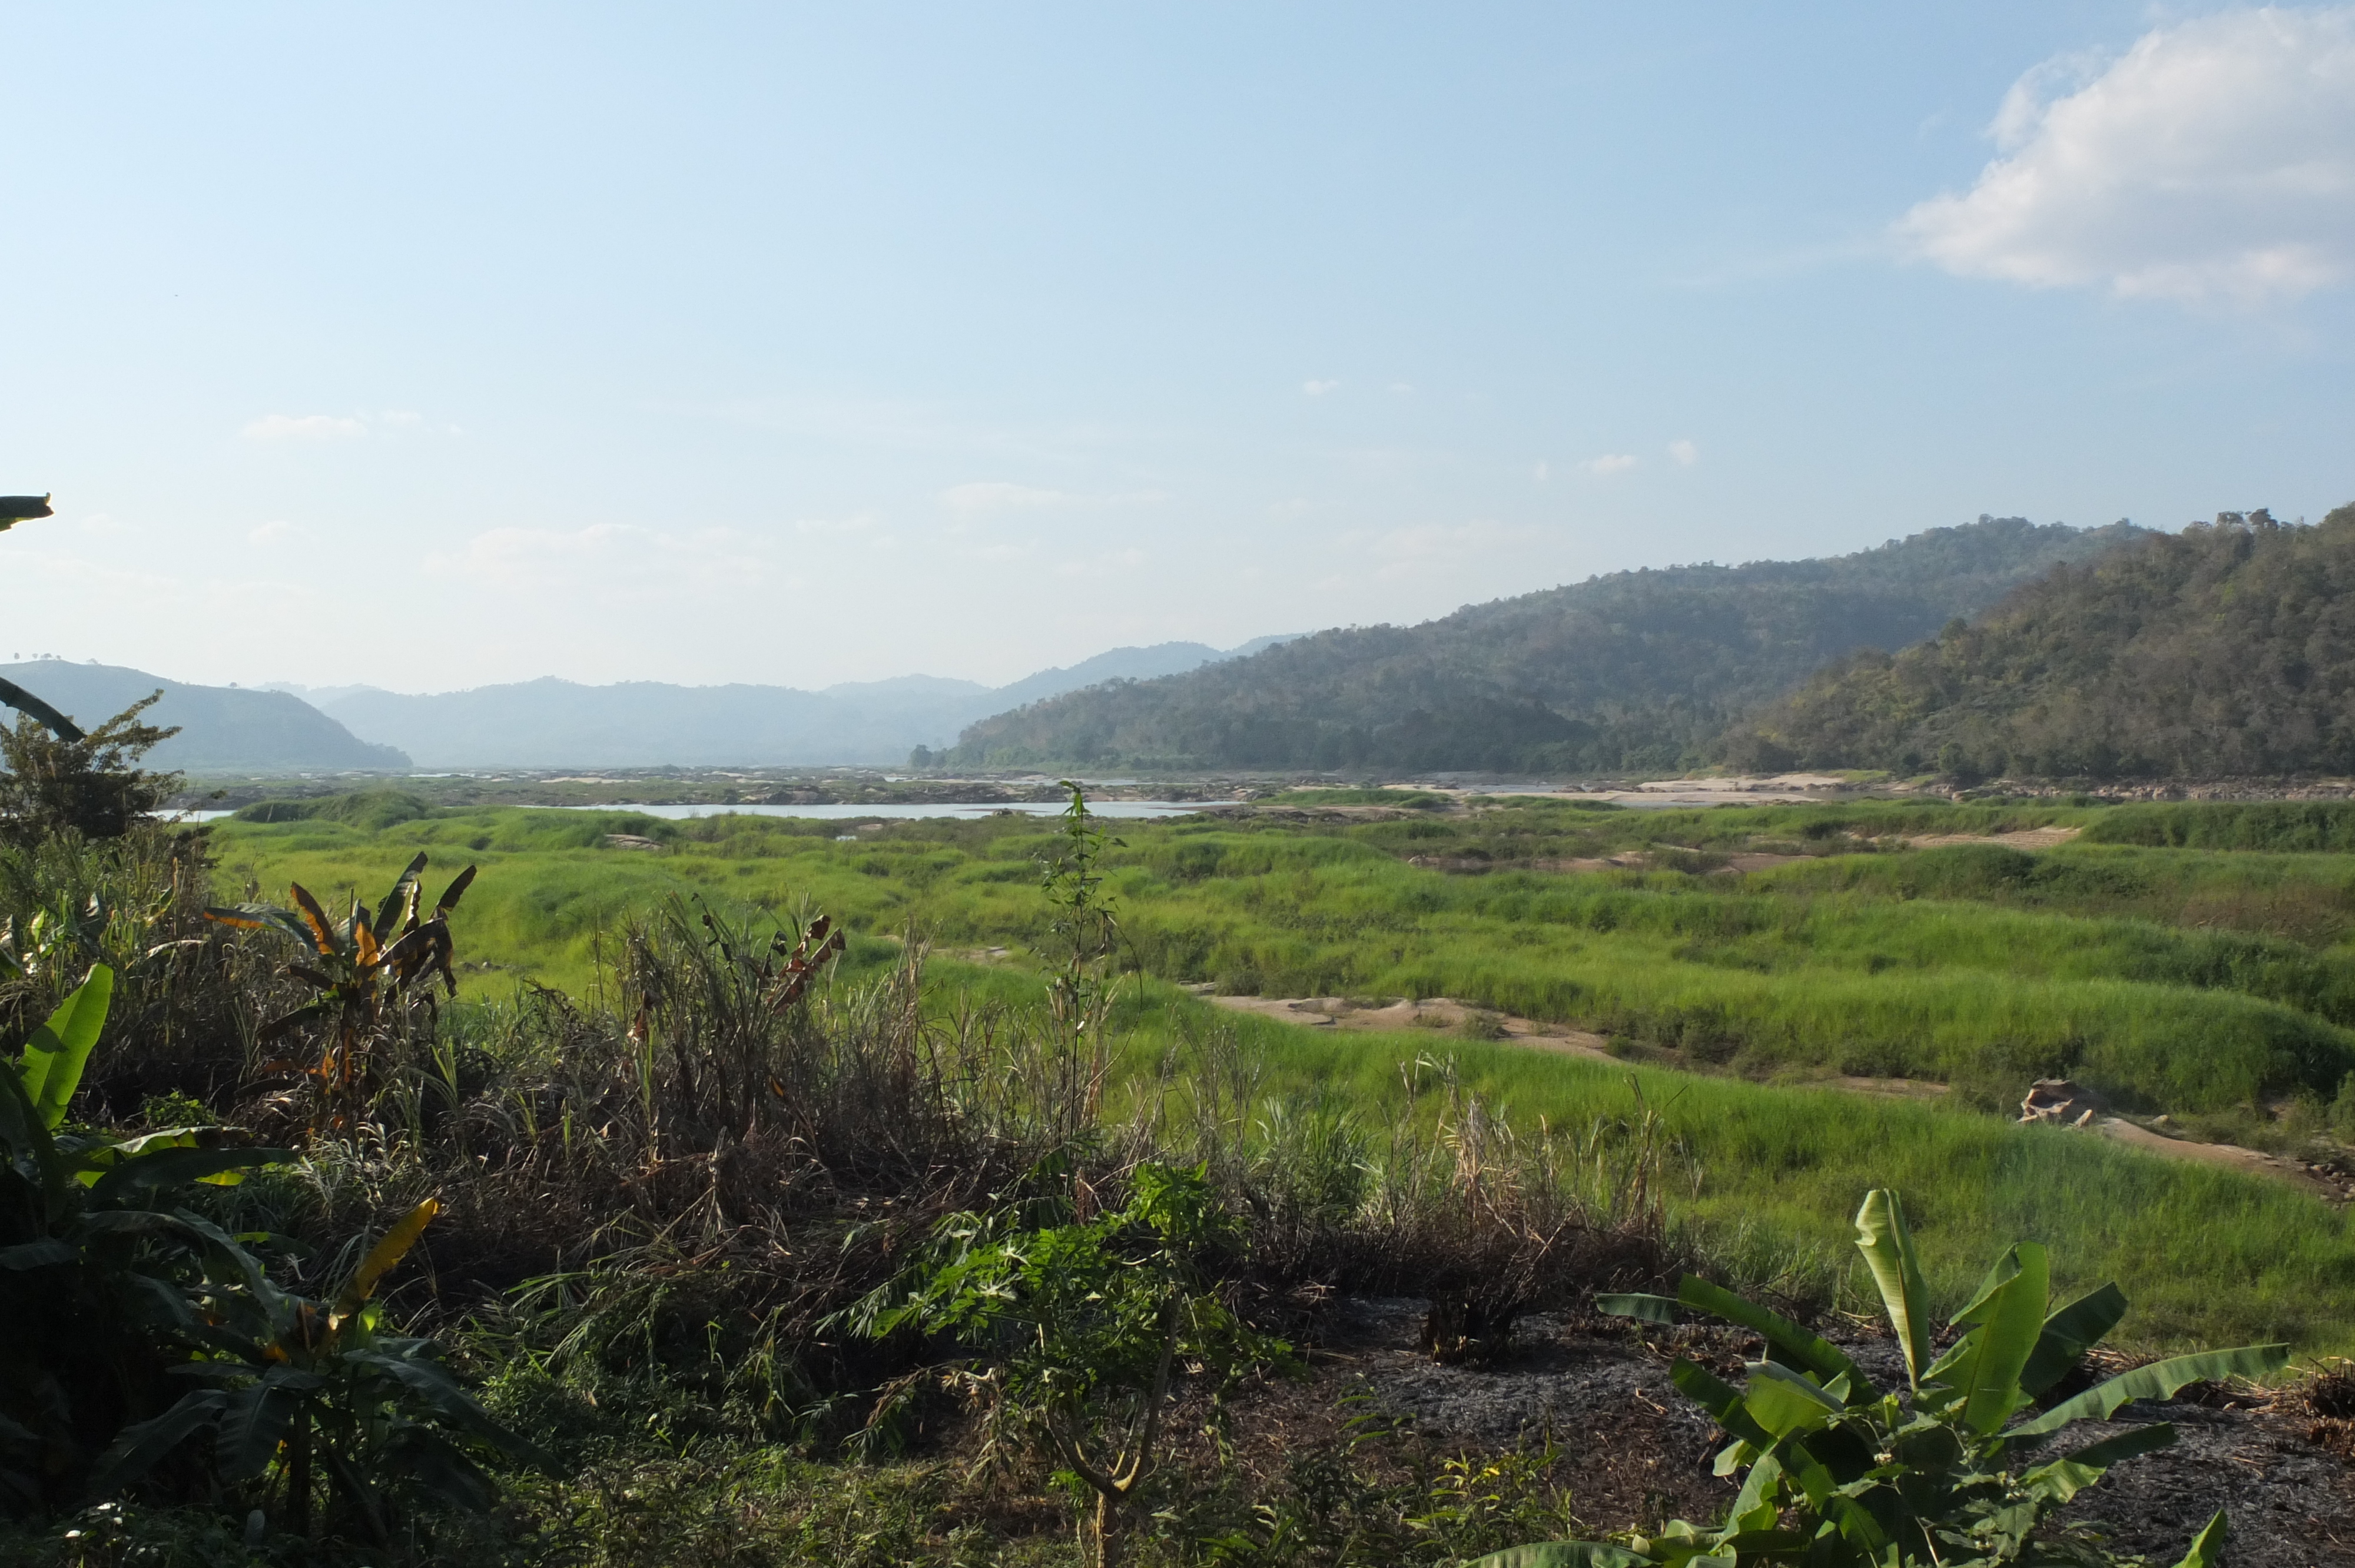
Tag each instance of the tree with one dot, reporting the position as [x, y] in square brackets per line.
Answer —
[90, 783]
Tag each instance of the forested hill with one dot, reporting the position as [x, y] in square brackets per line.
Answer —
[2226, 650]
[1634, 670]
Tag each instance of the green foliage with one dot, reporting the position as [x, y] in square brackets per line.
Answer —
[2279, 827]
[305, 1390]
[100, 1285]
[1837, 1473]
[364, 968]
[1083, 1323]
[90, 784]
[1085, 929]
[1635, 670]
[2223, 651]
[369, 809]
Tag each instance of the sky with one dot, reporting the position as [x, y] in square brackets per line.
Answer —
[430, 347]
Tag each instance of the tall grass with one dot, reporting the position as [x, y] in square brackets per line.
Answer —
[2175, 980]
[1771, 1176]
[2279, 826]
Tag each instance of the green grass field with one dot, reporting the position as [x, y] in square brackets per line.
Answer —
[2185, 979]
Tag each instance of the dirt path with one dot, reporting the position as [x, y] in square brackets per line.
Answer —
[1441, 1015]
[2025, 838]
[1434, 1013]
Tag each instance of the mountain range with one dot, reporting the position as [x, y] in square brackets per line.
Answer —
[1632, 670]
[2225, 651]
[552, 723]
[223, 729]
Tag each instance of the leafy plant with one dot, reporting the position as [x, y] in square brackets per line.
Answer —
[1085, 923]
[1084, 1323]
[308, 1389]
[92, 784]
[1839, 1473]
[99, 1284]
[364, 966]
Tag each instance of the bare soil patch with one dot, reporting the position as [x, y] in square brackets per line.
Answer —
[1635, 1449]
[2024, 839]
[1394, 1015]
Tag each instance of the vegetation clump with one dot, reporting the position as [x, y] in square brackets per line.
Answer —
[1837, 1472]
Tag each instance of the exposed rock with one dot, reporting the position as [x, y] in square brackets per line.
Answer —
[2062, 1102]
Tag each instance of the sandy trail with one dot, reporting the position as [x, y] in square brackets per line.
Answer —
[1445, 1014]
[2024, 839]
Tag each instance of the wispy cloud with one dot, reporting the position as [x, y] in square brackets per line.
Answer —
[1683, 453]
[1319, 388]
[978, 499]
[983, 497]
[2214, 160]
[612, 561]
[302, 427]
[1609, 463]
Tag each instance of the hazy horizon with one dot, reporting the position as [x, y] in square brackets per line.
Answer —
[798, 346]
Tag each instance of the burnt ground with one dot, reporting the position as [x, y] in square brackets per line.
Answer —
[1632, 1450]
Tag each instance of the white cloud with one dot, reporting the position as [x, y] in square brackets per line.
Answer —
[302, 427]
[269, 531]
[1609, 463]
[2214, 160]
[402, 417]
[1543, 472]
[1683, 453]
[981, 497]
[1319, 388]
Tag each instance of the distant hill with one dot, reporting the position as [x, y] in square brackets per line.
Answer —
[2226, 650]
[223, 729]
[643, 724]
[1636, 670]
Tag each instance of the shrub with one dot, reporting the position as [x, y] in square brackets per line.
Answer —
[1840, 1474]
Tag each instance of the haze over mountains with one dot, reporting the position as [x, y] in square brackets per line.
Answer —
[552, 723]
[223, 729]
[2002, 646]
[1632, 670]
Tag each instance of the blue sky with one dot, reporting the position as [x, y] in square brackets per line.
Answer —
[435, 345]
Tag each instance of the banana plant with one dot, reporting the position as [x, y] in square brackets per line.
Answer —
[1952, 1471]
[15, 508]
[310, 1391]
[100, 1282]
[361, 965]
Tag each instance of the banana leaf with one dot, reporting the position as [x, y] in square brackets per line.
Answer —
[60, 1049]
[1882, 1236]
[2207, 1546]
[1564, 1554]
[1786, 1341]
[23, 702]
[2069, 1334]
[2160, 1380]
[1984, 1369]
